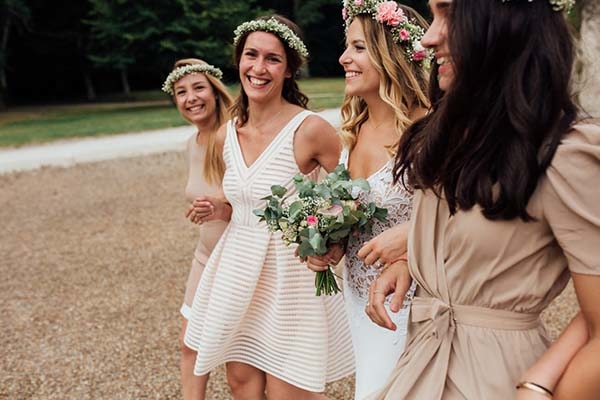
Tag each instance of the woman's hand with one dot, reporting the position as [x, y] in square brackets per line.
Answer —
[387, 247]
[395, 279]
[329, 260]
[208, 208]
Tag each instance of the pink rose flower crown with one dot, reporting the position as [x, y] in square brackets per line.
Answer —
[404, 31]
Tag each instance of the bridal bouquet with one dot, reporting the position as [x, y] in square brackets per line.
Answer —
[320, 214]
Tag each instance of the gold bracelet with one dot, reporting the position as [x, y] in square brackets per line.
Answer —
[536, 388]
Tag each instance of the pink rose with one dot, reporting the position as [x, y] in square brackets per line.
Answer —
[344, 13]
[404, 34]
[389, 13]
[358, 3]
[419, 55]
[311, 220]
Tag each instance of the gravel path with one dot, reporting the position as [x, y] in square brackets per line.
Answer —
[93, 260]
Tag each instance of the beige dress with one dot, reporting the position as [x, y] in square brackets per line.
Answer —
[256, 301]
[482, 284]
[209, 232]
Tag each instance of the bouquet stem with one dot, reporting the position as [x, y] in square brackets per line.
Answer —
[326, 283]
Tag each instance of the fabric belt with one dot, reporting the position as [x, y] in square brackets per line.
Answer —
[445, 317]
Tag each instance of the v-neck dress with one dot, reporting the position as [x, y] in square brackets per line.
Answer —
[376, 349]
[256, 301]
[482, 284]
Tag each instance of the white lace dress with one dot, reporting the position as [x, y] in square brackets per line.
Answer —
[376, 349]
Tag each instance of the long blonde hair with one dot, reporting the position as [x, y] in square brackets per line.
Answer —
[214, 165]
[403, 84]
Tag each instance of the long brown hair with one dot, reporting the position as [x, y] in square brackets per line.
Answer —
[492, 135]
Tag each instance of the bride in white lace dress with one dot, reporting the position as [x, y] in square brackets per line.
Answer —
[385, 91]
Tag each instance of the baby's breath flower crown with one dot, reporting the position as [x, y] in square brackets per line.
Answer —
[557, 5]
[275, 27]
[404, 31]
[184, 70]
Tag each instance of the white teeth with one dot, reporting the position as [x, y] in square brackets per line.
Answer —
[256, 81]
[195, 108]
[352, 74]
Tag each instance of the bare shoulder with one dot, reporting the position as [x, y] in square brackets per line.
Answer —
[315, 127]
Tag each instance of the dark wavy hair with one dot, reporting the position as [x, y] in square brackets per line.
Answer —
[491, 136]
[291, 92]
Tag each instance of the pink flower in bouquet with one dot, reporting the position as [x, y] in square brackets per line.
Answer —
[389, 13]
[358, 3]
[311, 220]
[344, 13]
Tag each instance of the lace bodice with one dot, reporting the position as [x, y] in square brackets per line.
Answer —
[398, 201]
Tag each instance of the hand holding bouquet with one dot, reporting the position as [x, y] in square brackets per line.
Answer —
[323, 213]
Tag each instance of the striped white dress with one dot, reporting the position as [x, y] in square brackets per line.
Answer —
[256, 302]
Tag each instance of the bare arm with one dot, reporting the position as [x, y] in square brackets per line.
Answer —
[387, 247]
[581, 379]
[548, 369]
[317, 143]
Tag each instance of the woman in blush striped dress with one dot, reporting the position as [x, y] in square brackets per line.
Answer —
[255, 308]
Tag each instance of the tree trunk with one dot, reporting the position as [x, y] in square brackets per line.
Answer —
[125, 81]
[589, 95]
[89, 86]
[3, 50]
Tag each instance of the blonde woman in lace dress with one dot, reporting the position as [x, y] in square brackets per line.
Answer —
[385, 91]
[255, 308]
[202, 100]
[506, 211]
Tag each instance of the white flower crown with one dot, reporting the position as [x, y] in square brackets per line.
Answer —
[273, 26]
[557, 5]
[405, 32]
[184, 70]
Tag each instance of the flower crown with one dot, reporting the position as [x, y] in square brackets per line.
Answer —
[557, 5]
[273, 26]
[405, 32]
[184, 70]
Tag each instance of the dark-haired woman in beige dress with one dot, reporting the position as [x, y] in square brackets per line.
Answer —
[508, 209]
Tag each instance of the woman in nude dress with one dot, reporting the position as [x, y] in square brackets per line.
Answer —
[202, 100]
[506, 212]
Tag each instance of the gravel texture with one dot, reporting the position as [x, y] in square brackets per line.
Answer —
[93, 262]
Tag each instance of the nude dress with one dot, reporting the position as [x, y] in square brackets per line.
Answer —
[475, 325]
[210, 231]
[256, 301]
[376, 349]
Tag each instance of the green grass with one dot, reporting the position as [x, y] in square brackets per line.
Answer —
[146, 110]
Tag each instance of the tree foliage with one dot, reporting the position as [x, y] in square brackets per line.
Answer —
[112, 44]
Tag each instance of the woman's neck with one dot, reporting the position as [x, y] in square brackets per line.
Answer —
[260, 114]
[204, 129]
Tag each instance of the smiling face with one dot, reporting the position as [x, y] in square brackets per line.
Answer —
[362, 79]
[195, 99]
[263, 66]
[436, 38]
